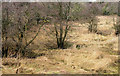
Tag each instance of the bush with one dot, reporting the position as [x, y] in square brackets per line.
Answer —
[117, 29]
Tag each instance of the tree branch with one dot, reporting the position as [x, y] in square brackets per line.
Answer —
[33, 37]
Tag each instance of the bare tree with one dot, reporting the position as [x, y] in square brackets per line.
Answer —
[61, 24]
[17, 22]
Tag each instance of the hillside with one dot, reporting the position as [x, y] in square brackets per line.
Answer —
[87, 52]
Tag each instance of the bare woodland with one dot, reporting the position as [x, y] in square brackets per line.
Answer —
[60, 38]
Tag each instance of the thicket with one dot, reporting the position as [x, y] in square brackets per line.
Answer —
[19, 18]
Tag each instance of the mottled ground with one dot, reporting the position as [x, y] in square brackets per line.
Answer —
[96, 53]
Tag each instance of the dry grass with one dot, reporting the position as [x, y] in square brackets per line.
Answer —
[97, 54]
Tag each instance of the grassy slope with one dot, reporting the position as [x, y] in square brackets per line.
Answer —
[96, 55]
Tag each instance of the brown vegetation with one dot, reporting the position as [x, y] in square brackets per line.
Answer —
[62, 38]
